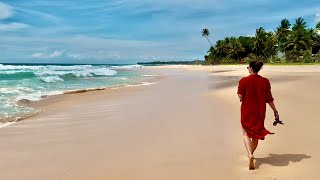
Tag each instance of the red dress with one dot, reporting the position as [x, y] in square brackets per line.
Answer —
[256, 92]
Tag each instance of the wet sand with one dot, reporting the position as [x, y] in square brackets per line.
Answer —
[184, 127]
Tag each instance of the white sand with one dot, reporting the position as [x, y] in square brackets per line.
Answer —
[187, 126]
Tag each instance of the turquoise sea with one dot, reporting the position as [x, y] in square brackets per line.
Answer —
[33, 82]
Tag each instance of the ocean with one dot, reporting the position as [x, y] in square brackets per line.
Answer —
[32, 82]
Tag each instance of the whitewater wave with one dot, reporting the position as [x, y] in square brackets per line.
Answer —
[123, 78]
[20, 67]
[78, 74]
[2, 125]
[40, 67]
[103, 72]
[126, 66]
[70, 68]
[15, 90]
[9, 91]
[37, 95]
[142, 84]
[149, 75]
[9, 72]
[51, 79]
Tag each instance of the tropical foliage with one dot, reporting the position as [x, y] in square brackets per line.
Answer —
[288, 43]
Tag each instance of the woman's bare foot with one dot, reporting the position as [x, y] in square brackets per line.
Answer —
[251, 162]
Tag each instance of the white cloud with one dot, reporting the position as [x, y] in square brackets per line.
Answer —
[12, 26]
[38, 14]
[56, 53]
[37, 55]
[317, 17]
[74, 56]
[100, 54]
[5, 11]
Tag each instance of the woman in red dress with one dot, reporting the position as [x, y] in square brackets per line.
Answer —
[254, 92]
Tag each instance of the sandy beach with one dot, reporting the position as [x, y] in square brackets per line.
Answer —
[185, 126]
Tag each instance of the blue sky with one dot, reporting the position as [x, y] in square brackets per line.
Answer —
[128, 31]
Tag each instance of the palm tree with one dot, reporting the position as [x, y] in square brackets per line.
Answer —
[271, 45]
[300, 24]
[206, 33]
[247, 44]
[217, 51]
[300, 38]
[235, 48]
[260, 40]
[300, 41]
[315, 37]
[282, 34]
[318, 26]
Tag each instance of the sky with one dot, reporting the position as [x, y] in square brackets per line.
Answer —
[130, 31]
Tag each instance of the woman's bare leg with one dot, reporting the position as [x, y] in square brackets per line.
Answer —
[248, 144]
[249, 147]
[254, 144]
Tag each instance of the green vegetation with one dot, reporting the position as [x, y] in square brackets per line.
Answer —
[287, 44]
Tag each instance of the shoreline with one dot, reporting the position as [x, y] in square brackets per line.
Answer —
[38, 105]
[223, 71]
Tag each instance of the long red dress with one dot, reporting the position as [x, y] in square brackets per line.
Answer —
[256, 92]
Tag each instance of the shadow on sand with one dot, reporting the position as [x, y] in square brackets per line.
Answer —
[280, 159]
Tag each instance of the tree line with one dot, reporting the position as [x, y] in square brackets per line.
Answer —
[156, 63]
[287, 43]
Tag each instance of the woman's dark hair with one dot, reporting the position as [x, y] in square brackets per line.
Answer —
[256, 65]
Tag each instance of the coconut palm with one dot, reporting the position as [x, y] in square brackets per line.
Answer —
[219, 50]
[300, 38]
[313, 34]
[282, 34]
[270, 45]
[299, 41]
[259, 43]
[283, 30]
[318, 26]
[300, 24]
[315, 37]
[205, 33]
[235, 48]
[247, 44]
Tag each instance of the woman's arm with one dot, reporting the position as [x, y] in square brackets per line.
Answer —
[240, 97]
[241, 89]
[273, 106]
[270, 99]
